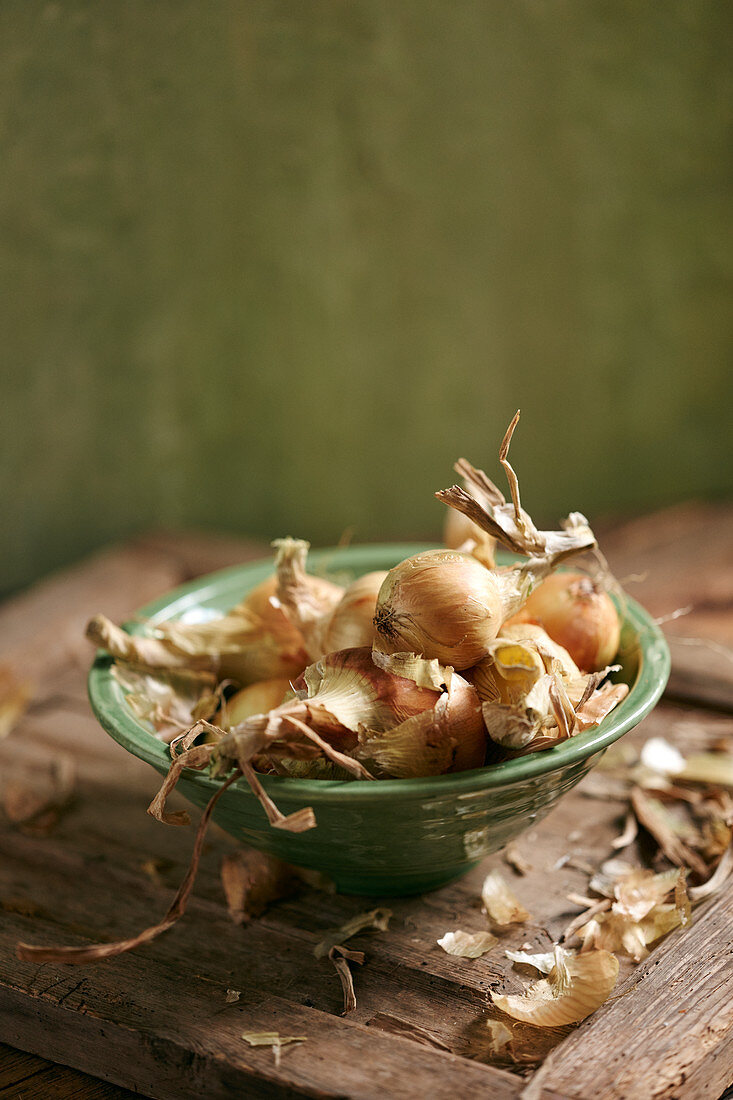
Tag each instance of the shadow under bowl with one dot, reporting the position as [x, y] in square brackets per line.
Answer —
[392, 837]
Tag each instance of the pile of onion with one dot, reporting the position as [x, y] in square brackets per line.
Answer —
[409, 672]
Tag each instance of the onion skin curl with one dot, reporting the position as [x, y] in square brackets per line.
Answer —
[577, 614]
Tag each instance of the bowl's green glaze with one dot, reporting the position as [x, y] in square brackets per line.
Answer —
[396, 836]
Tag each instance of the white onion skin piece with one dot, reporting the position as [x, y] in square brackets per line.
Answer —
[443, 604]
[593, 977]
[578, 615]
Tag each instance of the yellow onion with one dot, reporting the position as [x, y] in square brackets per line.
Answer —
[577, 614]
[351, 623]
[255, 699]
[449, 737]
[445, 604]
[521, 654]
[532, 692]
[346, 691]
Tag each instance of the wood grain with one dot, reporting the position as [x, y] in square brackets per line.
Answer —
[27, 1077]
[669, 1032]
[42, 629]
[156, 1021]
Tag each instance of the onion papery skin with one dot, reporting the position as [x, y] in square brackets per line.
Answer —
[577, 614]
[361, 693]
[348, 700]
[443, 604]
[449, 736]
[351, 623]
[466, 724]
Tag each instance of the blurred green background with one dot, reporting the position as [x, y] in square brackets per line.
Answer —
[271, 267]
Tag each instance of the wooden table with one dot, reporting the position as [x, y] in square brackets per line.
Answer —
[156, 1021]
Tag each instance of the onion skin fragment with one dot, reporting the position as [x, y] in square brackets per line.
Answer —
[577, 614]
[576, 986]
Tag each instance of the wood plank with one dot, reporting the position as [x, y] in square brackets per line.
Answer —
[27, 1077]
[16, 1065]
[678, 557]
[91, 877]
[406, 974]
[166, 1030]
[42, 629]
[701, 673]
[668, 1033]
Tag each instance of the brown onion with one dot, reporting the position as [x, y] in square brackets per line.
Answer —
[351, 623]
[445, 604]
[255, 699]
[577, 614]
[357, 707]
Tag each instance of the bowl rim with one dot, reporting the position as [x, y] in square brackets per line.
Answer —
[107, 697]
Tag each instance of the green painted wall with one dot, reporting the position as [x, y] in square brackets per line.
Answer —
[272, 266]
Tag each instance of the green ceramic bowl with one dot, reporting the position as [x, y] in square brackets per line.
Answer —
[395, 836]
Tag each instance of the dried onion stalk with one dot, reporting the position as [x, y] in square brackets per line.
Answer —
[445, 604]
[306, 600]
[377, 919]
[509, 524]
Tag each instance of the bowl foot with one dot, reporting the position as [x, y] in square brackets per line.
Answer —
[395, 885]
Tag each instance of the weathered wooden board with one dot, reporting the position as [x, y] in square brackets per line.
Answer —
[156, 1021]
[27, 1077]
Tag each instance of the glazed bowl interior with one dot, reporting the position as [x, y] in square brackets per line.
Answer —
[393, 836]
